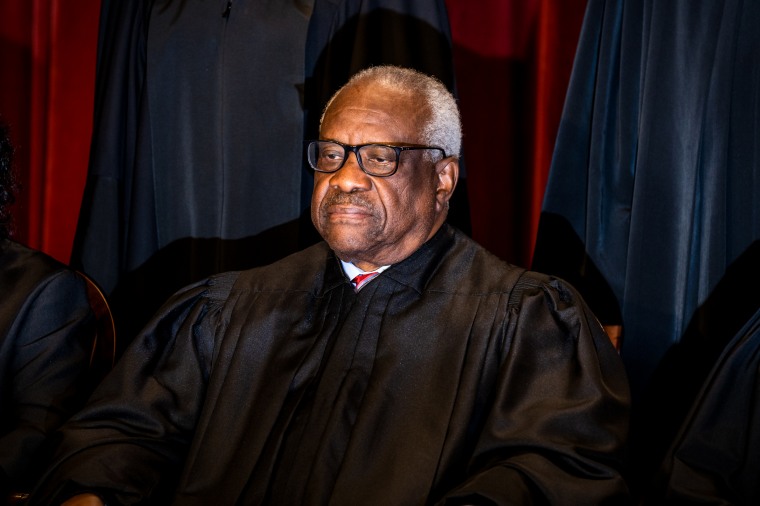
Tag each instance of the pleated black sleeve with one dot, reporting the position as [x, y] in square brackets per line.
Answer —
[139, 421]
[558, 421]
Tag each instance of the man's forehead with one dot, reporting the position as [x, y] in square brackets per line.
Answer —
[375, 104]
[367, 113]
[372, 95]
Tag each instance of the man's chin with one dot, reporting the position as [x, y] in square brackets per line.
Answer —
[348, 245]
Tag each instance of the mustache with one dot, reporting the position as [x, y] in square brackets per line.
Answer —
[341, 198]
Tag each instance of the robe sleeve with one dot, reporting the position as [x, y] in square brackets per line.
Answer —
[51, 337]
[558, 423]
[145, 410]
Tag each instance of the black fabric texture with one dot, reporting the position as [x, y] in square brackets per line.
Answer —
[46, 336]
[716, 455]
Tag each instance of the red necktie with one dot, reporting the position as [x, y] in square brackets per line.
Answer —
[362, 279]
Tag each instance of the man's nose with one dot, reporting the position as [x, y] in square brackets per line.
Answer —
[351, 177]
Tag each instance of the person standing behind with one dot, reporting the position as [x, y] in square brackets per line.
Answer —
[450, 377]
[46, 336]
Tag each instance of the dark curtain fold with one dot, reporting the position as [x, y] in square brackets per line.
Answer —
[651, 206]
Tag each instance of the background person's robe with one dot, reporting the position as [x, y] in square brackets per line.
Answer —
[196, 163]
[715, 458]
[46, 333]
[281, 385]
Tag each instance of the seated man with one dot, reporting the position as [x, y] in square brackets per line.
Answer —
[449, 377]
[46, 334]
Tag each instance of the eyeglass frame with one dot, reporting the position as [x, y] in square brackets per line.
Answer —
[355, 150]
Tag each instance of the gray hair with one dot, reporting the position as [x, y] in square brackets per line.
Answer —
[443, 127]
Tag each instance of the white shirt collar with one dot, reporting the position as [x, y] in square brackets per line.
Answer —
[352, 271]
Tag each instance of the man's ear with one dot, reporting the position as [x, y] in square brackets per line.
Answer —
[447, 171]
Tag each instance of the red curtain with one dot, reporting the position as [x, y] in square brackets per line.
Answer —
[47, 50]
[512, 59]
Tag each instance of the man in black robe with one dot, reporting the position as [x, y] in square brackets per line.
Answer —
[450, 377]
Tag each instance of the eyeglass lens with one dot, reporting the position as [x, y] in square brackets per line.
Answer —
[375, 159]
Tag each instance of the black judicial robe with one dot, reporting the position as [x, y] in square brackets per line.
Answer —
[197, 161]
[443, 378]
[46, 333]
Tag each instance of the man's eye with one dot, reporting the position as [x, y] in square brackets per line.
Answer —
[332, 155]
[379, 155]
[379, 159]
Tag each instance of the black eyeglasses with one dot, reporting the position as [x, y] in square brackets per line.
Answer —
[378, 160]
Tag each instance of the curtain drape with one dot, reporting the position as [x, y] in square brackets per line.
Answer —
[512, 60]
[47, 53]
[651, 209]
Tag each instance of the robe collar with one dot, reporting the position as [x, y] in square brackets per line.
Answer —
[415, 271]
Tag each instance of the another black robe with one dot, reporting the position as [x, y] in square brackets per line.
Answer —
[46, 335]
[444, 377]
[716, 457]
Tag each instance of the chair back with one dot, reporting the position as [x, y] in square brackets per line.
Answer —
[103, 355]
